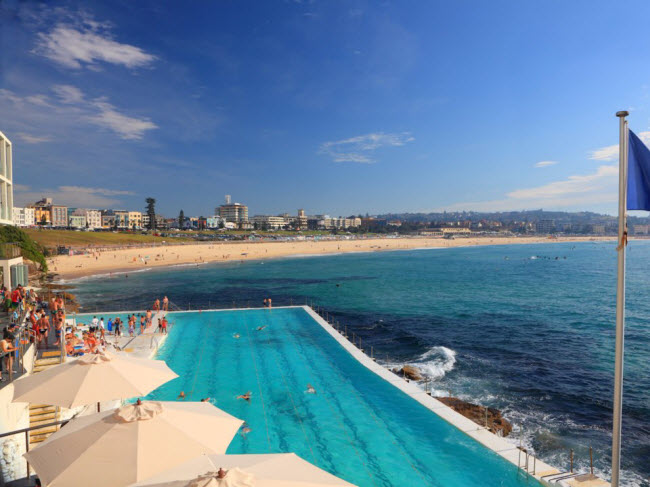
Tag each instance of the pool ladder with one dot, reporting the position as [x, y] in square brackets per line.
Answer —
[526, 465]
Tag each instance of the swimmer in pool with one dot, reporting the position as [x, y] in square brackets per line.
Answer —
[181, 395]
[260, 328]
[205, 399]
[245, 429]
[245, 397]
[310, 389]
[236, 335]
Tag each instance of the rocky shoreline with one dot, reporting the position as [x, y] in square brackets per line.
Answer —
[496, 423]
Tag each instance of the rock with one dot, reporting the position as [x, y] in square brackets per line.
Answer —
[497, 424]
[409, 372]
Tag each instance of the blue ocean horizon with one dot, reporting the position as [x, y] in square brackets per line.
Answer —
[528, 329]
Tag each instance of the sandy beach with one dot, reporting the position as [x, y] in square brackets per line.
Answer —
[137, 259]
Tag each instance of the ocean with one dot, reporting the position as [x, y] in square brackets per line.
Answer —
[527, 329]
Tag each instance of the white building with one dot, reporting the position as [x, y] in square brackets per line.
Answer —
[232, 212]
[267, 222]
[6, 181]
[216, 222]
[93, 218]
[23, 217]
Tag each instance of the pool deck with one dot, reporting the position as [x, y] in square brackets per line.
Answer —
[541, 471]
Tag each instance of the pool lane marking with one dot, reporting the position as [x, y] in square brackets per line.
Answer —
[379, 423]
[286, 385]
[259, 387]
[342, 426]
[198, 365]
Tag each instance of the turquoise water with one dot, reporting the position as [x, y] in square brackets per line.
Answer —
[509, 327]
[357, 426]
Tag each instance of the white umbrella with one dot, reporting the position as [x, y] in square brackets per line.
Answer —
[93, 378]
[119, 447]
[270, 470]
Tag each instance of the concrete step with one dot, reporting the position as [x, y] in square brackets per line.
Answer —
[47, 361]
[43, 431]
[52, 353]
[45, 420]
[40, 411]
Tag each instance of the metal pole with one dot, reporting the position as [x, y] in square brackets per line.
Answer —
[27, 449]
[591, 460]
[571, 460]
[620, 300]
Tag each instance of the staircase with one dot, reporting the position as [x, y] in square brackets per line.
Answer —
[43, 413]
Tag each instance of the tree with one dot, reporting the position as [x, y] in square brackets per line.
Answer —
[151, 212]
[43, 220]
[222, 224]
[181, 220]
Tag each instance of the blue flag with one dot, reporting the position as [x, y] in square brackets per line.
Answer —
[638, 174]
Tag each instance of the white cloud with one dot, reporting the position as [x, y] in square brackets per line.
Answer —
[360, 148]
[69, 93]
[610, 152]
[34, 139]
[123, 125]
[546, 163]
[599, 187]
[84, 42]
[72, 196]
[72, 106]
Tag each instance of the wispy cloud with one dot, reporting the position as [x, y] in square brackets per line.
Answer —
[34, 139]
[546, 163]
[74, 196]
[361, 148]
[70, 103]
[610, 152]
[123, 125]
[81, 41]
[577, 190]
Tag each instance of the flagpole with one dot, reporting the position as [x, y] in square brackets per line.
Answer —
[620, 298]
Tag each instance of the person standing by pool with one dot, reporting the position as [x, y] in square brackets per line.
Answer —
[116, 325]
[163, 323]
[156, 305]
[142, 324]
[165, 304]
[7, 347]
[109, 326]
[148, 318]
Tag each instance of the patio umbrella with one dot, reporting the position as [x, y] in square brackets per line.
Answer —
[119, 447]
[269, 470]
[93, 378]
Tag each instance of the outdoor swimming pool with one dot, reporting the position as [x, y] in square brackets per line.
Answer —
[357, 426]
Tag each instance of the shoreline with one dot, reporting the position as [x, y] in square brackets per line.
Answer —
[127, 260]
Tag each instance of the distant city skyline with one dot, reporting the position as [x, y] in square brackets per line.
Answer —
[340, 107]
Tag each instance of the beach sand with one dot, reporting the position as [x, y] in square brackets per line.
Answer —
[136, 259]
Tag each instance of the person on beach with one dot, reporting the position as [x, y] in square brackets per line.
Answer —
[165, 304]
[245, 397]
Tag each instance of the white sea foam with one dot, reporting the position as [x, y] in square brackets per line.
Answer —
[436, 362]
[433, 364]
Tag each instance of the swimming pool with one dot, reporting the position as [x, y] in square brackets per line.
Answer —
[357, 426]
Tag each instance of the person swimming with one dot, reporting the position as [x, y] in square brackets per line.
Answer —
[310, 389]
[245, 429]
[236, 335]
[181, 395]
[245, 397]
[260, 328]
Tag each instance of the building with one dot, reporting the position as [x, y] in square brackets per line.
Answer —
[93, 218]
[59, 216]
[545, 226]
[215, 222]
[23, 217]
[135, 220]
[6, 182]
[301, 221]
[77, 220]
[267, 222]
[636, 229]
[42, 211]
[232, 212]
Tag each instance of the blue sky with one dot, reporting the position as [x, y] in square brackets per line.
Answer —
[336, 107]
